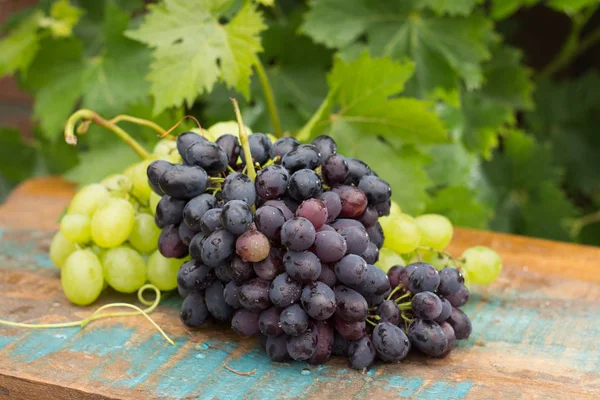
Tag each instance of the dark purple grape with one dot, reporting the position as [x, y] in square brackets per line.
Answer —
[252, 246]
[169, 211]
[327, 275]
[335, 170]
[236, 216]
[326, 147]
[340, 345]
[154, 171]
[218, 247]
[269, 220]
[342, 223]
[222, 273]
[333, 203]
[277, 348]
[208, 155]
[377, 190]
[186, 234]
[374, 300]
[240, 270]
[394, 275]
[193, 310]
[305, 184]
[254, 295]
[293, 320]
[302, 266]
[354, 200]
[170, 244]
[298, 234]
[211, 221]
[326, 228]
[303, 346]
[357, 239]
[305, 156]
[383, 208]
[262, 342]
[451, 281]
[272, 182]
[195, 246]
[245, 322]
[280, 204]
[185, 140]
[196, 208]
[271, 266]
[290, 203]
[426, 305]
[193, 276]
[324, 343]
[351, 270]
[268, 323]
[260, 146]
[361, 353]
[389, 311]
[446, 311]
[238, 186]
[231, 146]
[350, 330]
[329, 246]
[376, 235]
[376, 281]
[390, 342]
[231, 294]
[313, 210]
[401, 275]
[215, 302]
[428, 337]
[461, 324]
[182, 292]
[424, 278]
[371, 254]
[351, 305]
[284, 291]
[356, 170]
[459, 298]
[450, 337]
[283, 146]
[318, 300]
[369, 217]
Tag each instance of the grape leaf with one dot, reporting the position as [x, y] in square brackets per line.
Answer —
[16, 156]
[445, 49]
[571, 6]
[452, 164]
[501, 9]
[451, 7]
[462, 206]
[365, 106]
[97, 163]
[64, 18]
[268, 3]
[18, 49]
[192, 50]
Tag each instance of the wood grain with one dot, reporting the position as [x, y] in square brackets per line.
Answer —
[535, 333]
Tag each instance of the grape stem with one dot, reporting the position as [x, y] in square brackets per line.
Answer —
[399, 287]
[96, 314]
[371, 322]
[138, 121]
[244, 141]
[167, 133]
[269, 97]
[87, 116]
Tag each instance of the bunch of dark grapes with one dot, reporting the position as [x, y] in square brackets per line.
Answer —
[289, 256]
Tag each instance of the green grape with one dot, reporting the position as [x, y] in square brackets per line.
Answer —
[483, 265]
[76, 228]
[88, 199]
[124, 269]
[118, 185]
[395, 209]
[164, 147]
[81, 277]
[401, 233]
[60, 249]
[112, 223]
[154, 199]
[436, 230]
[465, 275]
[162, 271]
[439, 261]
[272, 138]
[222, 128]
[388, 258]
[145, 233]
[137, 173]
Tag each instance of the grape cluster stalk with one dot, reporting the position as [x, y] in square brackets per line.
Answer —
[289, 254]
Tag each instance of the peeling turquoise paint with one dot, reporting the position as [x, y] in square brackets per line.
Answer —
[102, 340]
[41, 343]
[403, 386]
[5, 341]
[444, 390]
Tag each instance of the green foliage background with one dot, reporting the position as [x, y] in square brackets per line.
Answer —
[429, 92]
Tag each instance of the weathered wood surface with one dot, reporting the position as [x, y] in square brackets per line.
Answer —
[536, 333]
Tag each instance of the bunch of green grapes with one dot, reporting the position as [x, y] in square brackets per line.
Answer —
[425, 238]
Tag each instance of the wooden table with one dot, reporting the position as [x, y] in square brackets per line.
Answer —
[536, 332]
